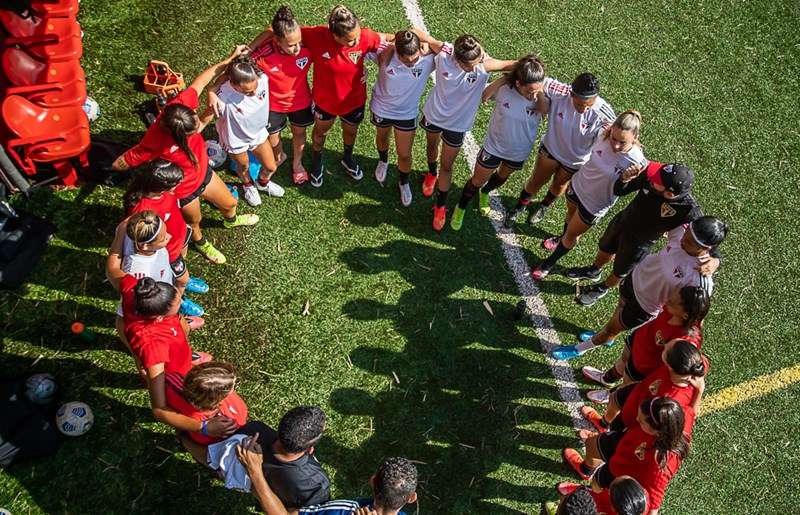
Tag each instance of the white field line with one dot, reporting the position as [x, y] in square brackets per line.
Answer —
[535, 306]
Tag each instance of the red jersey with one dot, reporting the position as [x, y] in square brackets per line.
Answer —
[231, 406]
[288, 76]
[154, 340]
[603, 502]
[166, 207]
[649, 340]
[340, 79]
[657, 384]
[636, 457]
[158, 143]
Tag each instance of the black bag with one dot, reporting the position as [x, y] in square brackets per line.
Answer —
[26, 429]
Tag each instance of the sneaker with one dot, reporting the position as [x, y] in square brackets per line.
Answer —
[251, 195]
[196, 285]
[439, 217]
[380, 171]
[428, 183]
[537, 214]
[483, 203]
[272, 188]
[566, 352]
[588, 295]
[511, 216]
[585, 434]
[211, 253]
[354, 170]
[195, 323]
[200, 357]
[241, 220]
[566, 487]
[317, 177]
[592, 416]
[574, 460]
[457, 219]
[551, 243]
[191, 308]
[405, 194]
[299, 176]
[538, 273]
[583, 272]
[595, 375]
[599, 396]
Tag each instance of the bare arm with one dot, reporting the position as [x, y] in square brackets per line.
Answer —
[259, 40]
[119, 164]
[250, 455]
[492, 88]
[491, 64]
[211, 73]
[434, 44]
[114, 272]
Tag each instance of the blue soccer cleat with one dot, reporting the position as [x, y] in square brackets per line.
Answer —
[196, 285]
[191, 308]
[566, 352]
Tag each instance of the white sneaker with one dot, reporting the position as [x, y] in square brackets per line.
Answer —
[595, 375]
[598, 396]
[380, 171]
[251, 195]
[272, 188]
[405, 194]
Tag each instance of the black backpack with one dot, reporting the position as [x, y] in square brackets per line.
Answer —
[27, 430]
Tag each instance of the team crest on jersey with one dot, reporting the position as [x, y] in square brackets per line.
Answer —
[667, 210]
[654, 386]
[677, 273]
[561, 115]
[639, 452]
[326, 55]
[472, 77]
[659, 338]
[416, 72]
[506, 105]
[530, 111]
[355, 56]
[302, 62]
[262, 95]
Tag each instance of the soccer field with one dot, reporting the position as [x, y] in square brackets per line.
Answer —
[399, 346]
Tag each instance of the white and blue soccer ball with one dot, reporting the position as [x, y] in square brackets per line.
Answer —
[74, 418]
[216, 156]
[40, 388]
[91, 108]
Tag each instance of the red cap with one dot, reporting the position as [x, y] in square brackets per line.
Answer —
[653, 172]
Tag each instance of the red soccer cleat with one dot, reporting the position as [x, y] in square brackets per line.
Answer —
[439, 217]
[566, 487]
[594, 417]
[428, 183]
[574, 460]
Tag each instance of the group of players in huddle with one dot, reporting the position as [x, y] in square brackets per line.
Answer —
[588, 154]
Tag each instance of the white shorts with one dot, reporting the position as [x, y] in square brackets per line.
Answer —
[260, 138]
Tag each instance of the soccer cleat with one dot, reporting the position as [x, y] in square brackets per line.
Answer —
[551, 243]
[599, 396]
[589, 294]
[200, 357]
[565, 488]
[251, 195]
[317, 177]
[405, 194]
[428, 183]
[483, 203]
[595, 375]
[195, 323]
[380, 171]
[241, 220]
[583, 272]
[538, 273]
[457, 220]
[566, 352]
[273, 189]
[536, 215]
[191, 308]
[353, 169]
[585, 434]
[211, 253]
[439, 217]
[574, 460]
[196, 285]
[511, 216]
[592, 416]
[299, 176]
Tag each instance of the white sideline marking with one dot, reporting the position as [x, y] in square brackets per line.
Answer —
[536, 309]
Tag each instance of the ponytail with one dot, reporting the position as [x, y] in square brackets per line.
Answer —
[143, 227]
[627, 496]
[695, 303]
[528, 70]
[243, 69]
[630, 120]
[406, 43]
[157, 176]
[342, 21]
[684, 359]
[666, 416]
[467, 48]
[284, 22]
[180, 122]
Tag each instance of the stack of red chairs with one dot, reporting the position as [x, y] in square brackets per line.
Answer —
[44, 89]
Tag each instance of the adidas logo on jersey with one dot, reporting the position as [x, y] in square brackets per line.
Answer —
[677, 273]
[446, 75]
[326, 55]
[173, 149]
[600, 153]
[390, 71]
[302, 62]
[274, 69]
[355, 56]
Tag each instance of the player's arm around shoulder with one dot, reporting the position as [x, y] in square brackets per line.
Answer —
[491, 90]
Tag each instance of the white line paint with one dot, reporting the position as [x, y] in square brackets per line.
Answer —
[536, 308]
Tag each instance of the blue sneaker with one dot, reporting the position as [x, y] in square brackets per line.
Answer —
[196, 285]
[586, 335]
[565, 352]
[191, 308]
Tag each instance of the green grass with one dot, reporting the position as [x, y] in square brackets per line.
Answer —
[475, 402]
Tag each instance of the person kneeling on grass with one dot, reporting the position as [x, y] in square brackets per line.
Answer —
[393, 485]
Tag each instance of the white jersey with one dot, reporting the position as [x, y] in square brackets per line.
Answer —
[594, 182]
[453, 102]
[570, 134]
[398, 90]
[243, 119]
[513, 126]
[659, 275]
[155, 266]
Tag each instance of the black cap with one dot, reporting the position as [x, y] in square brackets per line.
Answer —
[586, 85]
[677, 179]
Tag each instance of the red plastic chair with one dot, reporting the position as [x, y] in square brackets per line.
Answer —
[19, 27]
[22, 69]
[55, 8]
[51, 39]
[72, 93]
[47, 135]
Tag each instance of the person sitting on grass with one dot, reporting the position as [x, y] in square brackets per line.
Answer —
[393, 486]
[624, 496]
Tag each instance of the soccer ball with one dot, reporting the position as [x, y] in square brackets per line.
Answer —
[74, 418]
[216, 156]
[40, 388]
[91, 108]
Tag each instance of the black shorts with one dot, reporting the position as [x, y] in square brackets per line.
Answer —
[603, 476]
[400, 125]
[608, 442]
[621, 394]
[450, 138]
[199, 191]
[491, 161]
[354, 117]
[546, 153]
[300, 118]
[629, 250]
[632, 314]
[630, 369]
[586, 216]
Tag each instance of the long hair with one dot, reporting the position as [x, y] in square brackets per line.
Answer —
[666, 416]
[243, 69]
[180, 121]
[157, 176]
[684, 359]
[695, 302]
[207, 384]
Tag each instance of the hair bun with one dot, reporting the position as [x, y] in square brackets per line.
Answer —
[284, 13]
[146, 287]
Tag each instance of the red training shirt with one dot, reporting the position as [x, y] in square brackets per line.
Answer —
[649, 340]
[288, 76]
[154, 340]
[340, 79]
[158, 143]
[657, 384]
[166, 207]
[231, 406]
